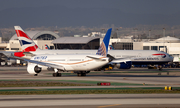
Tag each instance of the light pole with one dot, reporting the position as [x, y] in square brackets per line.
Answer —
[164, 39]
[117, 32]
[149, 34]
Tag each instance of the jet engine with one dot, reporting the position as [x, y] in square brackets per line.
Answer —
[124, 65]
[33, 68]
[12, 61]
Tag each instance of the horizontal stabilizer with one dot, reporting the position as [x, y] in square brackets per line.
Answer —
[96, 58]
[123, 60]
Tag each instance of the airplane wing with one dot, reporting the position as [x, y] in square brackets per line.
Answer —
[95, 58]
[45, 64]
[123, 60]
[4, 55]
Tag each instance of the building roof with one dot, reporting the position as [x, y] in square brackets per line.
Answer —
[74, 40]
[34, 34]
[168, 39]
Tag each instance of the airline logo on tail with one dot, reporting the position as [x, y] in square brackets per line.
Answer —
[47, 47]
[110, 47]
[26, 42]
[103, 49]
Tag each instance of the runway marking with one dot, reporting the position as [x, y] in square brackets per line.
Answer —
[108, 105]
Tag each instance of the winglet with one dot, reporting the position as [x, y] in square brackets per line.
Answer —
[110, 47]
[47, 47]
[26, 42]
[103, 49]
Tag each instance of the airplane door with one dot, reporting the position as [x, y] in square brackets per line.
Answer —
[139, 55]
[86, 64]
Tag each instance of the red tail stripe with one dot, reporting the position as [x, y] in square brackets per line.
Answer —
[158, 54]
[19, 54]
[22, 34]
[31, 48]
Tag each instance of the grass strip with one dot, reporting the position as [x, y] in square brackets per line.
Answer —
[38, 83]
[95, 82]
[156, 71]
[88, 92]
[12, 69]
[68, 89]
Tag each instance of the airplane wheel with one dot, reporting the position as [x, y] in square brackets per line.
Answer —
[78, 74]
[83, 74]
[35, 74]
[56, 74]
[59, 74]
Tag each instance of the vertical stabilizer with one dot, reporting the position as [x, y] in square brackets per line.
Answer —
[25, 41]
[103, 49]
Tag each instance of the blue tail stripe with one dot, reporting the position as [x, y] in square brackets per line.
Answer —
[22, 42]
[107, 38]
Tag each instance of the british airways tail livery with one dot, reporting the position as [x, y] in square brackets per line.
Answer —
[25, 41]
[103, 49]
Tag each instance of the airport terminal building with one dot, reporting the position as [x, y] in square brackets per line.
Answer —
[76, 43]
[40, 38]
[53, 40]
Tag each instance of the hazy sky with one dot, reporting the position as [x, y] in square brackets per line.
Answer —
[129, 6]
[90, 13]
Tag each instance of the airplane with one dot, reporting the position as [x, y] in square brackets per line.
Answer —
[81, 63]
[122, 59]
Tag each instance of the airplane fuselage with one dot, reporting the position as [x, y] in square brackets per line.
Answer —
[75, 62]
[136, 56]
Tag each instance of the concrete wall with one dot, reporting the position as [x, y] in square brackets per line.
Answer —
[137, 45]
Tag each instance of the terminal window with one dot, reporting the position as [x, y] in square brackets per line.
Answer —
[14, 48]
[145, 47]
[123, 46]
[154, 47]
[1, 48]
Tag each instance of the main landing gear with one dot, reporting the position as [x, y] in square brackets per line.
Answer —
[82, 73]
[160, 67]
[56, 74]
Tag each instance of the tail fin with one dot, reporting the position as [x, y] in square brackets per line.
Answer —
[103, 49]
[25, 41]
[47, 47]
[110, 47]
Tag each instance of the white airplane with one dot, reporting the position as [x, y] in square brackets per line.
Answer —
[81, 63]
[137, 57]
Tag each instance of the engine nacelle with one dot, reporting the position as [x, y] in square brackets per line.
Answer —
[124, 65]
[33, 68]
